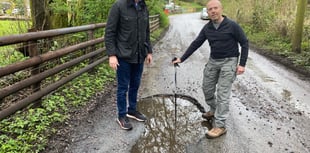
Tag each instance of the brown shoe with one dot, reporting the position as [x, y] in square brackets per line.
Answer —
[216, 132]
[208, 115]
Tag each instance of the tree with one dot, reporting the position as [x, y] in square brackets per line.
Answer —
[39, 15]
[300, 16]
[49, 14]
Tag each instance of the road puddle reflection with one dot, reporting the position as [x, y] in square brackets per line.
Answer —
[165, 132]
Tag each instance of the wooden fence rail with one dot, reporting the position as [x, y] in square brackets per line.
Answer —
[44, 62]
[154, 22]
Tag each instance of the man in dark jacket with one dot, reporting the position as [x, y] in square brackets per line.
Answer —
[127, 41]
[224, 36]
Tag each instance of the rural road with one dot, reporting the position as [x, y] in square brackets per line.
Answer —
[269, 109]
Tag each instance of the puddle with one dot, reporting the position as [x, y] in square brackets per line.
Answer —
[165, 132]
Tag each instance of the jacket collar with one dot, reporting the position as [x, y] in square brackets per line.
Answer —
[210, 24]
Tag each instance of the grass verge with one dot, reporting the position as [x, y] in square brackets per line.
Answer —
[28, 130]
[280, 49]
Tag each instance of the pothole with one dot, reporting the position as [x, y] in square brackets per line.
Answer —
[168, 129]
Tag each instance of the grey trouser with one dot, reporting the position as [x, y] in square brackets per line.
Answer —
[218, 76]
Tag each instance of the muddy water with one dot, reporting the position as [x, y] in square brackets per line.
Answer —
[169, 129]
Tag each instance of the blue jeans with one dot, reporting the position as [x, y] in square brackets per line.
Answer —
[128, 81]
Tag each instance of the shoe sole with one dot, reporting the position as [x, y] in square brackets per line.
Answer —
[133, 117]
[120, 124]
[210, 137]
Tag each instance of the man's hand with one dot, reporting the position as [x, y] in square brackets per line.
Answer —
[240, 70]
[149, 59]
[113, 62]
[175, 61]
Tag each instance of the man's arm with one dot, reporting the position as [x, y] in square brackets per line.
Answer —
[244, 43]
[148, 35]
[111, 30]
[110, 35]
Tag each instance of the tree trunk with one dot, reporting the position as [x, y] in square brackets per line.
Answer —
[300, 16]
[39, 15]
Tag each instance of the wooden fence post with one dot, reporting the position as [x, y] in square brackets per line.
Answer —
[34, 51]
[91, 48]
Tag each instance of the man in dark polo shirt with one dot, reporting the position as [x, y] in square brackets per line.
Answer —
[225, 62]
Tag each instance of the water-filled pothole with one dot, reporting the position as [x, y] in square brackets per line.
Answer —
[165, 131]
